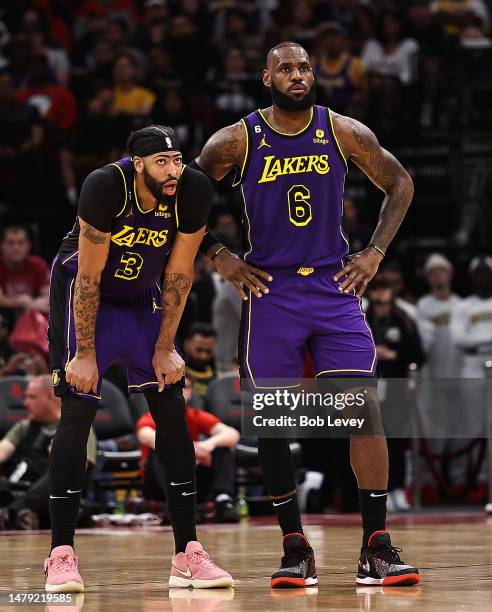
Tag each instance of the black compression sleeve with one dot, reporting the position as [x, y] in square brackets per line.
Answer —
[209, 240]
[102, 197]
[194, 200]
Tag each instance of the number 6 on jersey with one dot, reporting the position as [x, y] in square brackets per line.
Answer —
[300, 212]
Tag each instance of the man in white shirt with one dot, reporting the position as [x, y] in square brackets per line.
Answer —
[440, 387]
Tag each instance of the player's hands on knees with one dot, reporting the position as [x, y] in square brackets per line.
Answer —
[241, 275]
[360, 268]
[168, 366]
[82, 373]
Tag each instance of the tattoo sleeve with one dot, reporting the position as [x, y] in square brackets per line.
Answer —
[174, 293]
[93, 252]
[224, 150]
[361, 146]
[85, 307]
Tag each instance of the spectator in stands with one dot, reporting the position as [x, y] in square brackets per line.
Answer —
[394, 55]
[100, 135]
[21, 139]
[215, 459]
[233, 87]
[471, 321]
[443, 357]
[161, 75]
[35, 30]
[440, 387]
[225, 226]
[24, 278]
[129, 97]
[340, 76]
[397, 346]
[199, 353]
[55, 103]
[24, 457]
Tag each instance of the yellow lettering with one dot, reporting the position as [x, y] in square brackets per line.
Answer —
[265, 177]
[293, 165]
[323, 166]
[288, 165]
[152, 236]
[142, 236]
[124, 237]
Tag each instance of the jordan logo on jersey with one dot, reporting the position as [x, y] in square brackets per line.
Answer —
[264, 143]
[275, 167]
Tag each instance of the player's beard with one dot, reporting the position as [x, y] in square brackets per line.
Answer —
[154, 186]
[290, 104]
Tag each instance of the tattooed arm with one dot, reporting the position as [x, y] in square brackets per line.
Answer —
[360, 145]
[178, 278]
[225, 150]
[82, 371]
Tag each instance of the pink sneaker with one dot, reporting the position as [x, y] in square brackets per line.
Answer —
[194, 568]
[62, 575]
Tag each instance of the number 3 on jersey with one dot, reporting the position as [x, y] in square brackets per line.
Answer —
[300, 212]
[133, 262]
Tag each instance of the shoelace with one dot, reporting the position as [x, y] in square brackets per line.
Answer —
[294, 556]
[201, 558]
[389, 553]
[63, 563]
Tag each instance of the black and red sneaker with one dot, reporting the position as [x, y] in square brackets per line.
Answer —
[297, 568]
[380, 564]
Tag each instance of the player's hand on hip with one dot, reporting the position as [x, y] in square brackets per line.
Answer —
[168, 366]
[241, 275]
[82, 373]
[358, 271]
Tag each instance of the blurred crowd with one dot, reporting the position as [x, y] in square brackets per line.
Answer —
[76, 76]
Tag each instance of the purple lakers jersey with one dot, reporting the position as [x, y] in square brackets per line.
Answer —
[141, 242]
[292, 185]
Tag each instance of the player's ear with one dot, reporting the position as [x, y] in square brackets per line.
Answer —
[138, 164]
[267, 79]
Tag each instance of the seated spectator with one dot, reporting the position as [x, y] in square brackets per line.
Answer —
[24, 457]
[394, 54]
[24, 278]
[55, 103]
[128, 96]
[199, 354]
[339, 75]
[154, 27]
[215, 460]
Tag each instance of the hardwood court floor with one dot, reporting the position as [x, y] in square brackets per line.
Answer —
[127, 570]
